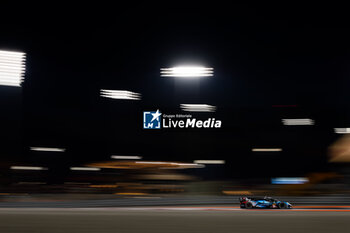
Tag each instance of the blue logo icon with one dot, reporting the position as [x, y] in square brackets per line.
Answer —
[151, 120]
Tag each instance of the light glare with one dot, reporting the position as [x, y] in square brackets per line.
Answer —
[266, 149]
[187, 71]
[85, 169]
[197, 107]
[298, 121]
[12, 68]
[27, 168]
[120, 94]
[209, 161]
[342, 130]
[48, 149]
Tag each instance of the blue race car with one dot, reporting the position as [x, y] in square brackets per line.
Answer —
[265, 203]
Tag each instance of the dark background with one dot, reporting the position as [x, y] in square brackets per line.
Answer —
[271, 62]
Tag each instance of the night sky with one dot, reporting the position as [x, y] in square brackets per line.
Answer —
[269, 64]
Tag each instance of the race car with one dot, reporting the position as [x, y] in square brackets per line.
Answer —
[265, 202]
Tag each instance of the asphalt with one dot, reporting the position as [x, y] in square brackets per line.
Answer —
[170, 219]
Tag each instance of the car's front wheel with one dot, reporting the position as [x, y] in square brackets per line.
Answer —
[282, 205]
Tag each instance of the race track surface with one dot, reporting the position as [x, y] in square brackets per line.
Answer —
[211, 219]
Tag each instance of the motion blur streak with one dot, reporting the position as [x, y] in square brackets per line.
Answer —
[342, 130]
[298, 121]
[210, 161]
[48, 149]
[172, 164]
[289, 180]
[27, 168]
[266, 149]
[12, 68]
[120, 94]
[125, 157]
[187, 71]
[85, 169]
[151, 162]
[339, 151]
[197, 108]
[32, 183]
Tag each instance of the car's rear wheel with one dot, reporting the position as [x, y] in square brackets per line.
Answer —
[248, 205]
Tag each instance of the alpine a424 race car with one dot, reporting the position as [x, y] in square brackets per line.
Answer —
[266, 202]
